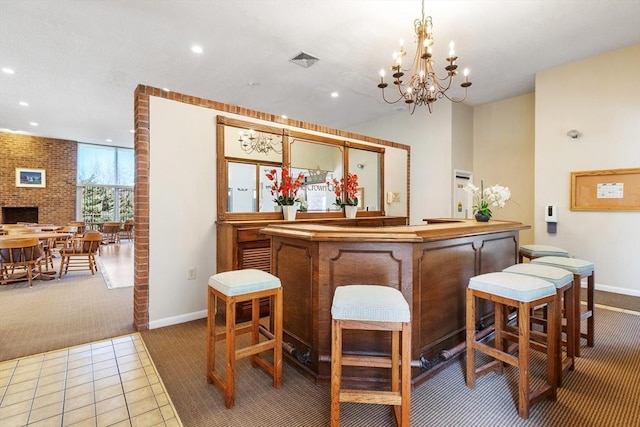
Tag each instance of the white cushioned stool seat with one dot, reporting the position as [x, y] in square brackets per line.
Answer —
[370, 302]
[517, 287]
[580, 269]
[522, 292]
[575, 266]
[563, 281]
[240, 282]
[542, 250]
[560, 277]
[235, 287]
[362, 310]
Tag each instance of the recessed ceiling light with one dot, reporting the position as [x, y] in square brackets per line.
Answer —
[24, 104]
[8, 71]
[334, 94]
[108, 140]
[196, 49]
[33, 123]
[132, 131]
[166, 89]
[284, 116]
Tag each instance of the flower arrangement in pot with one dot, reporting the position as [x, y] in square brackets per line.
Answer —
[285, 189]
[346, 191]
[484, 198]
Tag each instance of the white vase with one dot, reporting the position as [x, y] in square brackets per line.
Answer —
[350, 211]
[277, 208]
[289, 212]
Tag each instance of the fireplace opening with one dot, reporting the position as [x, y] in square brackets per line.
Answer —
[19, 214]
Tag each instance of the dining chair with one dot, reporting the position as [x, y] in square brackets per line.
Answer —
[111, 232]
[80, 254]
[20, 259]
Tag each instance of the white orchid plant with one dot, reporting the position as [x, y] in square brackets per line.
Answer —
[483, 198]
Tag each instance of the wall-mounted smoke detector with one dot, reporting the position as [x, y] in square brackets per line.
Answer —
[304, 59]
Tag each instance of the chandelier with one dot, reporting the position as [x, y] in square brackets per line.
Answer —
[251, 141]
[424, 86]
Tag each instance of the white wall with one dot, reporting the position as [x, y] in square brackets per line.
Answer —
[429, 136]
[600, 97]
[182, 210]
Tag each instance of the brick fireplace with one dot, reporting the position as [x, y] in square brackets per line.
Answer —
[14, 215]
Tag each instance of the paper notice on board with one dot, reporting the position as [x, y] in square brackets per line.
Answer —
[611, 190]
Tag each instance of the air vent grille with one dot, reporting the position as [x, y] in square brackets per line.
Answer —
[304, 59]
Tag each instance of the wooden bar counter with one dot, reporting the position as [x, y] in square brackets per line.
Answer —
[430, 264]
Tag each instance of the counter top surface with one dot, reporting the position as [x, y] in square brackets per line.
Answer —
[435, 229]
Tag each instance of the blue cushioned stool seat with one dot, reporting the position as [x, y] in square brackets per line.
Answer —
[575, 266]
[362, 310]
[580, 269]
[537, 251]
[560, 277]
[240, 282]
[523, 292]
[563, 281]
[231, 288]
[513, 286]
[369, 302]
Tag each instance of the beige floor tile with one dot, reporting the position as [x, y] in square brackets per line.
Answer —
[44, 412]
[47, 399]
[50, 387]
[109, 392]
[106, 382]
[103, 373]
[17, 420]
[134, 384]
[110, 404]
[138, 394]
[112, 417]
[55, 421]
[89, 383]
[12, 399]
[73, 403]
[146, 419]
[79, 380]
[142, 406]
[79, 414]
[13, 410]
[14, 387]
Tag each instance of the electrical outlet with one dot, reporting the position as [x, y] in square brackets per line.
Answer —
[191, 273]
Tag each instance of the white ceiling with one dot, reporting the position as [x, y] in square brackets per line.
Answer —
[77, 63]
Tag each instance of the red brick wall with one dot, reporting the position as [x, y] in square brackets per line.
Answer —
[57, 202]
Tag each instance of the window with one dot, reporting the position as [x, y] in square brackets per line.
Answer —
[104, 183]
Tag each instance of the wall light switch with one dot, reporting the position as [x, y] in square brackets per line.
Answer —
[191, 274]
[393, 197]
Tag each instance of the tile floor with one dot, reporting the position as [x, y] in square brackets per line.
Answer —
[105, 383]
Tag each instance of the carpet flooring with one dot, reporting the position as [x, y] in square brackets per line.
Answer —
[603, 391]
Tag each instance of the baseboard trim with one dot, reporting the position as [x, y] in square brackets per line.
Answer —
[168, 321]
[613, 289]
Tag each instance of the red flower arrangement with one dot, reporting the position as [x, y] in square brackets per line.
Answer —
[346, 192]
[286, 190]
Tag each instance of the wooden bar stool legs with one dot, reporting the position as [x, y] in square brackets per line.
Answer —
[580, 269]
[372, 308]
[523, 292]
[234, 287]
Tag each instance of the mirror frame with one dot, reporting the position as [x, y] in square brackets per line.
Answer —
[222, 162]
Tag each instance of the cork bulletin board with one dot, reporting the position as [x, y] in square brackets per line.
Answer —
[604, 190]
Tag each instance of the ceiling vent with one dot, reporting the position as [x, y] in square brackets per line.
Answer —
[304, 59]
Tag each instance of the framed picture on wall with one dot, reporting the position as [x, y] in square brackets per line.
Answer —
[35, 178]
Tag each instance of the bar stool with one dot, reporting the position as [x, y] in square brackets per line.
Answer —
[523, 292]
[234, 287]
[563, 281]
[372, 308]
[580, 269]
[537, 251]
